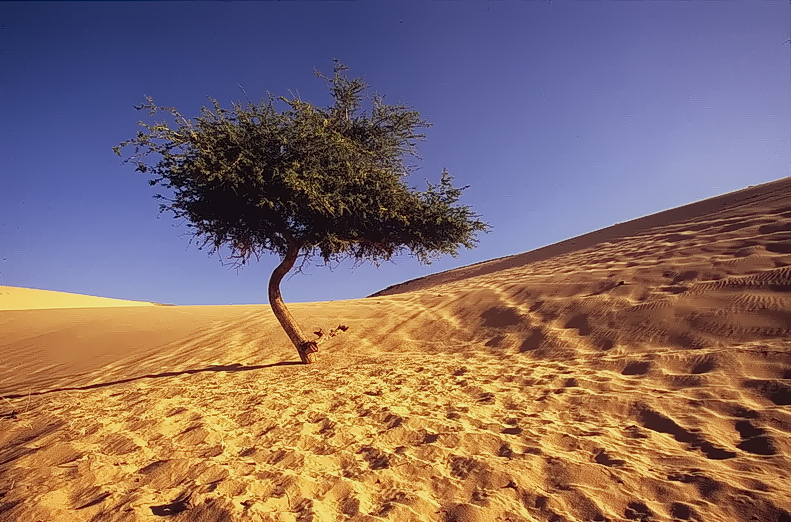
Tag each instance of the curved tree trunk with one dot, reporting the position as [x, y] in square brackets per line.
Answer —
[307, 349]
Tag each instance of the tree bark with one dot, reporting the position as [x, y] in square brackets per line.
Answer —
[307, 349]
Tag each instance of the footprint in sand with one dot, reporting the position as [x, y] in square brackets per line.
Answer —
[657, 422]
[754, 439]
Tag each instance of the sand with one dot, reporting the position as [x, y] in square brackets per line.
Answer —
[13, 298]
[638, 373]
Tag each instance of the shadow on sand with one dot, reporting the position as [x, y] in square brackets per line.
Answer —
[213, 368]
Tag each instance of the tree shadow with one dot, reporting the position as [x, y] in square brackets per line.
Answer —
[236, 367]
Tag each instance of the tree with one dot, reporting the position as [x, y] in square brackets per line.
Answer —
[302, 182]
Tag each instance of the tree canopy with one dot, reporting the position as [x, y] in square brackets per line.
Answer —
[329, 181]
[302, 181]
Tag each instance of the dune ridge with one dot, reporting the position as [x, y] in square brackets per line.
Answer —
[778, 189]
[15, 298]
[639, 373]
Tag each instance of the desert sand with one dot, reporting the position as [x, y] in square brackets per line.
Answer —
[638, 373]
[12, 298]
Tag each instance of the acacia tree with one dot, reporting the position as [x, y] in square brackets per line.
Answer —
[302, 182]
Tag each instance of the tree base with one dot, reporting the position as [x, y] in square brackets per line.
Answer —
[307, 352]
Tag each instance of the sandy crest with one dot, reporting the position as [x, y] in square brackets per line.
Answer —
[14, 298]
[645, 376]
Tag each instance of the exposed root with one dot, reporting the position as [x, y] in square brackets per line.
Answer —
[324, 336]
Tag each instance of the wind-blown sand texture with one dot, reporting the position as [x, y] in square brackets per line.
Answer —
[638, 373]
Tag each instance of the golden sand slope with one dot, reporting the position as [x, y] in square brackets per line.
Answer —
[645, 376]
[13, 298]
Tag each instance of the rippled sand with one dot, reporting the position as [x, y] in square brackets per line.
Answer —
[641, 372]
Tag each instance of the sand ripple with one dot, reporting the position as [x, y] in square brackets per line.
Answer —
[642, 374]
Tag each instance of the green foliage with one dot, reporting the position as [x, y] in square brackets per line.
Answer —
[326, 181]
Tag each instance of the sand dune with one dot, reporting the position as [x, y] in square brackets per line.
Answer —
[13, 298]
[638, 373]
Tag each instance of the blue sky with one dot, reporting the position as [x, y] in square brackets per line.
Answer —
[564, 117]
